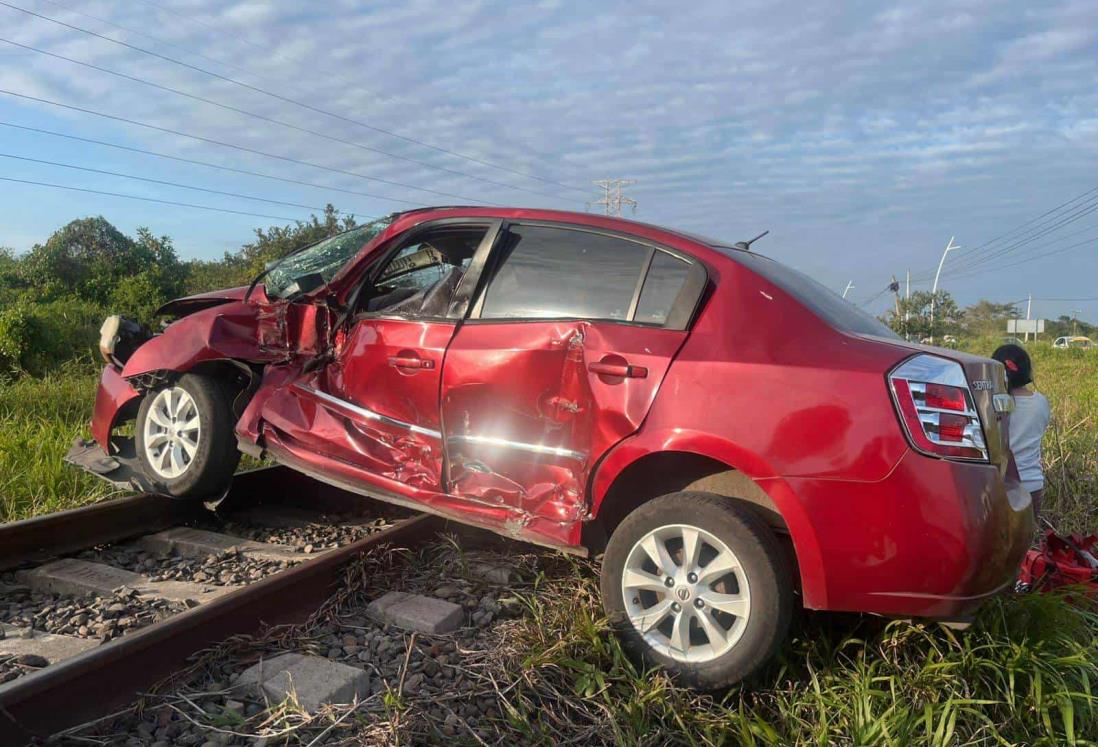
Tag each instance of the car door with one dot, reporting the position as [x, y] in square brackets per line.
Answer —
[373, 405]
[560, 359]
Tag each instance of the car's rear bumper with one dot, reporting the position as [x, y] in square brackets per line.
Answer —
[935, 538]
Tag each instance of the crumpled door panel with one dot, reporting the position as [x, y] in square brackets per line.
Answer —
[525, 418]
[299, 411]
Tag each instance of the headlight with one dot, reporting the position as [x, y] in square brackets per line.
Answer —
[119, 337]
[108, 337]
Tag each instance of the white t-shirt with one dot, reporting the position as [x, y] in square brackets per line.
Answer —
[1027, 426]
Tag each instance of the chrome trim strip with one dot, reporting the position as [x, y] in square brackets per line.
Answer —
[520, 446]
[367, 413]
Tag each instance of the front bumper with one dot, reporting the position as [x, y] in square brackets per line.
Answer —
[935, 538]
[112, 398]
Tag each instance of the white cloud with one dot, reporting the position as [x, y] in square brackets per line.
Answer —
[731, 115]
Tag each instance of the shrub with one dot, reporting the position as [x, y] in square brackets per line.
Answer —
[38, 337]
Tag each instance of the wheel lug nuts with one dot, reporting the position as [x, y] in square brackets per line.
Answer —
[669, 582]
[692, 578]
[675, 607]
[699, 603]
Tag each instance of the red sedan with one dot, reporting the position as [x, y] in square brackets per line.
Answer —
[733, 437]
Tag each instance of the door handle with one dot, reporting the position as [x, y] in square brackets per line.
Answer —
[409, 362]
[618, 369]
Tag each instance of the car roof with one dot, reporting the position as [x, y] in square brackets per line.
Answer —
[697, 245]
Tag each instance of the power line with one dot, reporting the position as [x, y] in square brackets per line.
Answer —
[317, 110]
[1020, 235]
[242, 148]
[207, 164]
[150, 180]
[1032, 235]
[147, 199]
[159, 40]
[268, 51]
[980, 271]
[1092, 298]
[264, 118]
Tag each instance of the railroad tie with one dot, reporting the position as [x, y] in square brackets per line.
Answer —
[200, 543]
[75, 577]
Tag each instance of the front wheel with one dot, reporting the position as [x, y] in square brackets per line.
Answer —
[698, 586]
[185, 437]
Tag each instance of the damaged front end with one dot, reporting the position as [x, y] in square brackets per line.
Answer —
[210, 330]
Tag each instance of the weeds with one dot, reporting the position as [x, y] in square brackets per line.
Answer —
[1022, 675]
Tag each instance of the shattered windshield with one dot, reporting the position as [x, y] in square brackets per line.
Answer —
[325, 258]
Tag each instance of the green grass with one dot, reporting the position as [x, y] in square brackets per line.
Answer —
[39, 418]
[1023, 675]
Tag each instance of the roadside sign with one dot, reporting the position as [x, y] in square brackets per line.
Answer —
[1020, 326]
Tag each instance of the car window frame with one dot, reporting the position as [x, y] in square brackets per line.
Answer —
[465, 289]
[680, 316]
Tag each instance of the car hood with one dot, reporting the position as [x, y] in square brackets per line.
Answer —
[181, 307]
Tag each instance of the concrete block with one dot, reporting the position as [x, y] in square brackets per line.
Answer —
[75, 577]
[415, 612]
[18, 641]
[312, 681]
[198, 543]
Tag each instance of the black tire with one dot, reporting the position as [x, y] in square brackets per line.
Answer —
[216, 456]
[764, 564]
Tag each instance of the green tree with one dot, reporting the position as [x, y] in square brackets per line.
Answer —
[240, 267]
[987, 318]
[913, 319]
[278, 241]
[1067, 325]
[85, 258]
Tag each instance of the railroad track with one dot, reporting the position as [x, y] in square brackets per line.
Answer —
[99, 603]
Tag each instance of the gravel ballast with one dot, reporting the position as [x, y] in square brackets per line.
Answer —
[102, 617]
[224, 569]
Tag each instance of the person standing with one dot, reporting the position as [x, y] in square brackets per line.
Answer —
[1028, 422]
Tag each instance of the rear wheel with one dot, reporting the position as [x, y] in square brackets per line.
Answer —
[698, 586]
[185, 437]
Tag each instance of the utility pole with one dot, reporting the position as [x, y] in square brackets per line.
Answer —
[848, 287]
[934, 291]
[907, 305]
[1075, 322]
[1029, 308]
[612, 199]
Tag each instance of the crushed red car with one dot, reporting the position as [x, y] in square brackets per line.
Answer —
[731, 436]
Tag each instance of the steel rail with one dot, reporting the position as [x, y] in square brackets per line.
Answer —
[33, 540]
[93, 683]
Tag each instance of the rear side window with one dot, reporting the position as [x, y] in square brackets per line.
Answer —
[825, 303]
[559, 273]
[665, 280]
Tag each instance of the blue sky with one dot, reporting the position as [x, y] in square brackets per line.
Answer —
[863, 135]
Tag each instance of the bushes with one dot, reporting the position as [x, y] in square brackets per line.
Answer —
[36, 338]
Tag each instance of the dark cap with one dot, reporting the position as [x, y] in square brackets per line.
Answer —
[1015, 359]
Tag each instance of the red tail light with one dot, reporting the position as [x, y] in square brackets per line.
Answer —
[936, 408]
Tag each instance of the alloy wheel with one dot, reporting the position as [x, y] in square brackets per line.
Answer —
[172, 432]
[686, 593]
